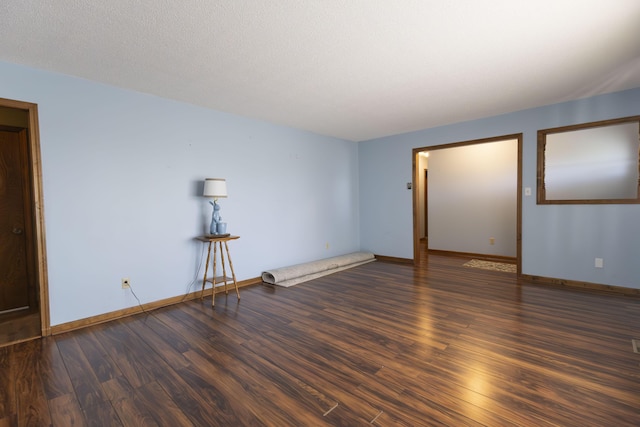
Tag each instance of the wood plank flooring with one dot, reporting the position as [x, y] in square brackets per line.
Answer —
[382, 344]
[19, 326]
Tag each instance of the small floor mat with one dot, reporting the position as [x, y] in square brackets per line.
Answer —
[490, 265]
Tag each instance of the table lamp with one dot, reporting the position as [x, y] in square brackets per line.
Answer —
[216, 188]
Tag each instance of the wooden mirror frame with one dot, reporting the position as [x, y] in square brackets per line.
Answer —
[542, 142]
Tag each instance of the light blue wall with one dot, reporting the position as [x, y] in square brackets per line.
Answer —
[123, 173]
[558, 241]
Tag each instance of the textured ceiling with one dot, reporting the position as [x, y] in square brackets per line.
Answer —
[353, 69]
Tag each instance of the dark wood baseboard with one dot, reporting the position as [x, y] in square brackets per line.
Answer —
[394, 260]
[119, 314]
[484, 257]
[578, 284]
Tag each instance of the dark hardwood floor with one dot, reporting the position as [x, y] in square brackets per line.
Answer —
[383, 344]
[19, 326]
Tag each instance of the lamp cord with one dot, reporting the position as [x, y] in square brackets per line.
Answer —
[189, 285]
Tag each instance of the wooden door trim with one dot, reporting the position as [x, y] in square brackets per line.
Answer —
[35, 171]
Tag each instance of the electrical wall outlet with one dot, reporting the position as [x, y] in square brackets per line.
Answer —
[126, 284]
[599, 263]
[492, 240]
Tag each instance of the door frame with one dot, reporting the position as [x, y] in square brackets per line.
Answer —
[39, 242]
[416, 231]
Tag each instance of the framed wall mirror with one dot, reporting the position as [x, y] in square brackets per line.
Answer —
[590, 163]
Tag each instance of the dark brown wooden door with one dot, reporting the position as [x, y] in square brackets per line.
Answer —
[14, 221]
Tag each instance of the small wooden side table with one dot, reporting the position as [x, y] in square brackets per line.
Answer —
[217, 241]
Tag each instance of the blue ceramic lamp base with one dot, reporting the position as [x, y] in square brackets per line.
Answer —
[217, 226]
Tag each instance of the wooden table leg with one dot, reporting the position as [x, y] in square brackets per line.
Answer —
[233, 274]
[224, 270]
[206, 268]
[213, 282]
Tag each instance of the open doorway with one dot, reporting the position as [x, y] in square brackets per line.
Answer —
[452, 206]
[24, 303]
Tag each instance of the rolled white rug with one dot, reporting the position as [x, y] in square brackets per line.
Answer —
[289, 276]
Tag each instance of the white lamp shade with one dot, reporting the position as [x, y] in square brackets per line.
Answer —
[215, 187]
